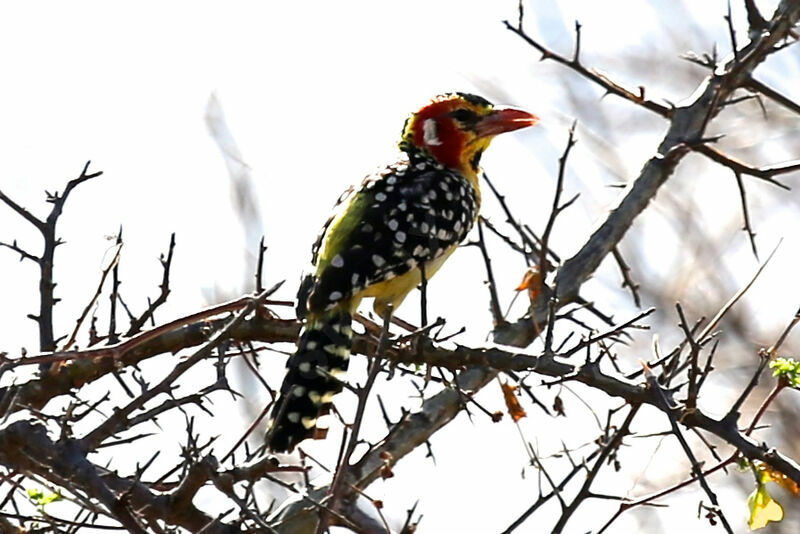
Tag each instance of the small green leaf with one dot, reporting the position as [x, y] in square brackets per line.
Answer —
[788, 369]
[40, 499]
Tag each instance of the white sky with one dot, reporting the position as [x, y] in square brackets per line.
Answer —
[315, 94]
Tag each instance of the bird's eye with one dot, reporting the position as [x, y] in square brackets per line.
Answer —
[465, 116]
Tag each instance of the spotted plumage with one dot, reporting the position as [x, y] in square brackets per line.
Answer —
[416, 217]
[414, 212]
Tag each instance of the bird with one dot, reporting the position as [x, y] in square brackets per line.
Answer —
[404, 219]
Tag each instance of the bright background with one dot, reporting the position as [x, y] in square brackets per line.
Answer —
[315, 94]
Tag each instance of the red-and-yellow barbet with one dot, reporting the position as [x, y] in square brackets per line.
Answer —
[413, 212]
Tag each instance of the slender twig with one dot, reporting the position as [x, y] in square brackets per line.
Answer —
[423, 295]
[507, 240]
[676, 431]
[557, 206]
[591, 340]
[590, 74]
[732, 34]
[735, 298]
[264, 411]
[694, 352]
[773, 349]
[585, 491]
[113, 336]
[627, 281]
[733, 413]
[510, 219]
[166, 263]
[747, 226]
[771, 93]
[260, 265]
[94, 298]
[338, 484]
[23, 254]
[762, 173]
[494, 302]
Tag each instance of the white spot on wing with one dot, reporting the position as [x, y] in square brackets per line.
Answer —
[338, 373]
[337, 261]
[309, 422]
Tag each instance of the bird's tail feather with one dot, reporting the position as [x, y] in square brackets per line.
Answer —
[314, 375]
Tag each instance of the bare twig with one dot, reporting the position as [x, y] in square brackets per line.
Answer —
[557, 206]
[113, 336]
[23, 254]
[338, 484]
[763, 173]
[627, 281]
[771, 93]
[773, 349]
[166, 263]
[590, 74]
[585, 491]
[697, 469]
[94, 298]
[47, 228]
[747, 226]
[732, 34]
[260, 265]
[494, 302]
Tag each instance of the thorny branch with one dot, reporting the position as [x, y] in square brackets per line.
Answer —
[687, 125]
[47, 228]
[28, 450]
[166, 264]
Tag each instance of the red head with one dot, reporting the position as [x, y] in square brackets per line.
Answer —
[456, 128]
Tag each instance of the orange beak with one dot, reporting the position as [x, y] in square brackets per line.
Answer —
[502, 120]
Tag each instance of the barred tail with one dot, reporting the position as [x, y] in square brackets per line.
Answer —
[313, 377]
